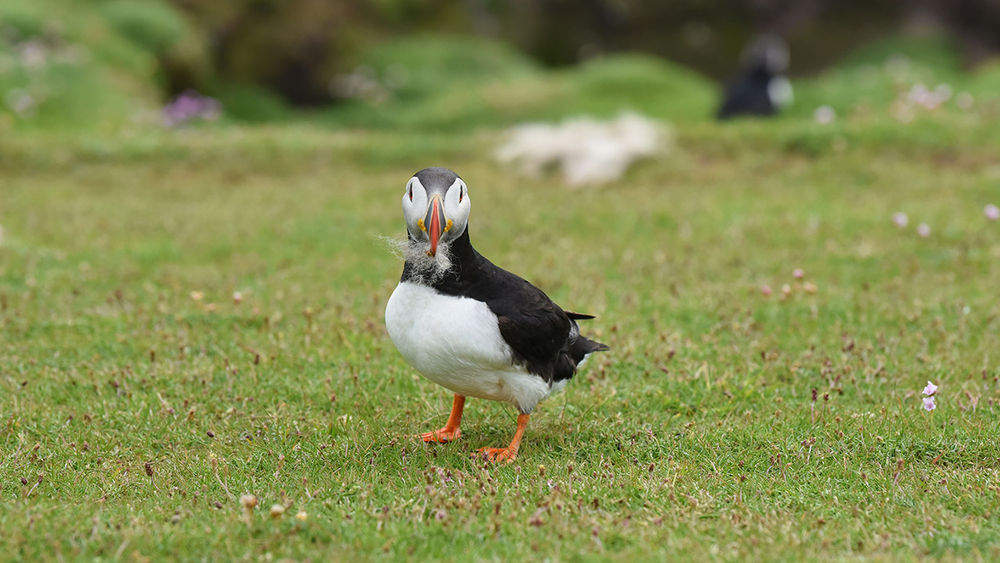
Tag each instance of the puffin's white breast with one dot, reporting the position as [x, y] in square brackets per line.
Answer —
[779, 91]
[456, 342]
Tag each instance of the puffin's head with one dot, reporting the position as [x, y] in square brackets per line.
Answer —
[436, 207]
[767, 52]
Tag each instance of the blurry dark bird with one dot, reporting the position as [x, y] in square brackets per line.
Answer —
[470, 326]
[761, 87]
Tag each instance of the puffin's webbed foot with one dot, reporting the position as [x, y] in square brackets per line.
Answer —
[496, 454]
[441, 436]
[451, 430]
[509, 453]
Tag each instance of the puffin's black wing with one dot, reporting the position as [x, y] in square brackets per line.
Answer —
[535, 328]
[543, 336]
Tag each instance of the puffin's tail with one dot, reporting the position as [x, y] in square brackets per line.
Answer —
[584, 347]
[580, 346]
[577, 349]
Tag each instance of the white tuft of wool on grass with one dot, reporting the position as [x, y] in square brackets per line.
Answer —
[428, 268]
[587, 151]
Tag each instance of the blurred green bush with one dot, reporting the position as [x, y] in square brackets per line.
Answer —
[63, 64]
[445, 83]
[151, 25]
[104, 65]
[157, 28]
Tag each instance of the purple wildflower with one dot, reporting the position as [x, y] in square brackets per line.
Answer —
[992, 212]
[930, 390]
[929, 404]
[900, 219]
[190, 106]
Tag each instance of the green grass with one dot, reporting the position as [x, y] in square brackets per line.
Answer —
[694, 437]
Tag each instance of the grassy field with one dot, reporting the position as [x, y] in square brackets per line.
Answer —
[140, 399]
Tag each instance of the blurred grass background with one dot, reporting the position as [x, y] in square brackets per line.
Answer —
[109, 65]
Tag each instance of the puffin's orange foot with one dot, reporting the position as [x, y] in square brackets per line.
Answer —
[497, 454]
[441, 436]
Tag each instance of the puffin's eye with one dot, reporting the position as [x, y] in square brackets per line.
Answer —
[411, 192]
[461, 193]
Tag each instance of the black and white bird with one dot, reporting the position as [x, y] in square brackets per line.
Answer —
[469, 325]
[760, 88]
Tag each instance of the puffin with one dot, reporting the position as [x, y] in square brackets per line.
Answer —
[760, 88]
[470, 326]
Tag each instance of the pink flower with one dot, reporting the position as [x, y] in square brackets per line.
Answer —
[924, 230]
[930, 389]
[900, 219]
[992, 212]
[798, 274]
[929, 404]
[765, 289]
[189, 106]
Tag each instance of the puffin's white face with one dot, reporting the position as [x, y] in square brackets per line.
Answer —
[437, 212]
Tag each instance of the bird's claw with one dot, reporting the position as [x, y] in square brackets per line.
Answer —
[496, 455]
[441, 436]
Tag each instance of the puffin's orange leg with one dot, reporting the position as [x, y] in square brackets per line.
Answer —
[451, 429]
[509, 453]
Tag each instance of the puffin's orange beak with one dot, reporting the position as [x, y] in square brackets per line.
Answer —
[434, 222]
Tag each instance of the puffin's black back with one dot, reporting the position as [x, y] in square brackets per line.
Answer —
[747, 94]
[543, 337]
